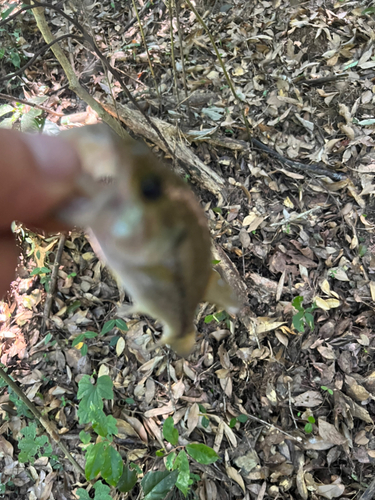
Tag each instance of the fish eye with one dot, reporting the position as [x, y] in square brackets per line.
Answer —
[151, 187]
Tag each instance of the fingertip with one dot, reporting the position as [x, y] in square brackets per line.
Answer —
[53, 156]
[8, 252]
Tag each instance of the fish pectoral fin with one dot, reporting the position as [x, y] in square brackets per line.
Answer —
[220, 293]
[180, 344]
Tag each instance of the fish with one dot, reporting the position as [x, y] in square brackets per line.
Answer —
[147, 226]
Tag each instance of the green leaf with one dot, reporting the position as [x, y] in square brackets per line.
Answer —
[29, 123]
[30, 444]
[242, 418]
[95, 457]
[90, 335]
[47, 338]
[170, 433]
[8, 11]
[182, 465]
[108, 326]
[311, 419]
[309, 320]
[202, 453]
[297, 303]
[220, 316]
[114, 340]
[169, 460]
[127, 480]
[135, 467]
[80, 338]
[362, 249]
[130, 401]
[232, 422]
[308, 428]
[82, 494]
[84, 349]
[194, 478]
[298, 321]
[159, 453]
[104, 425]
[121, 325]
[73, 307]
[92, 396]
[35, 271]
[205, 422]
[208, 318]
[85, 437]
[156, 485]
[113, 466]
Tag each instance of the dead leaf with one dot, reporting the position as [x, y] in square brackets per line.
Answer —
[308, 399]
[329, 433]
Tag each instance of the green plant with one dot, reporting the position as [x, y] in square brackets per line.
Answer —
[303, 317]
[205, 421]
[44, 275]
[32, 445]
[324, 388]
[218, 316]
[102, 459]
[179, 461]
[79, 341]
[242, 418]
[362, 250]
[309, 426]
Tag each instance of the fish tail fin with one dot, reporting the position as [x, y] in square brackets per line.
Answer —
[181, 344]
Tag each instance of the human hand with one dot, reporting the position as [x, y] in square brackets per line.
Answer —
[36, 176]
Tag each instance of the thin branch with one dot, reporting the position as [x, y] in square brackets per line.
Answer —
[47, 424]
[28, 103]
[147, 51]
[179, 30]
[37, 54]
[52, 284]
[106, 64]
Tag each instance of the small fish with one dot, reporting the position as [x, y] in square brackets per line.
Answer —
[149, 228]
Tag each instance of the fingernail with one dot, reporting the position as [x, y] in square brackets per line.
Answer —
[53, 156]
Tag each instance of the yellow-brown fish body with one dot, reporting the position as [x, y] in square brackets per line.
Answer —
[149, 228]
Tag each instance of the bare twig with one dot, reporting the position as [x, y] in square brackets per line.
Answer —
[146, 49]
[179, 30]
[259, 420]
[170, 11]
[290, 406]
[37, 54]
[31, 104]
[52, 284]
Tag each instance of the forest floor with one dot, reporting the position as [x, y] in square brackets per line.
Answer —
[283, 392]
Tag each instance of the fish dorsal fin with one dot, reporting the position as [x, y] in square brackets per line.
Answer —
[220, 293]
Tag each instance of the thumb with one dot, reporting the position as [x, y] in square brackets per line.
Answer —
[37, 174]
